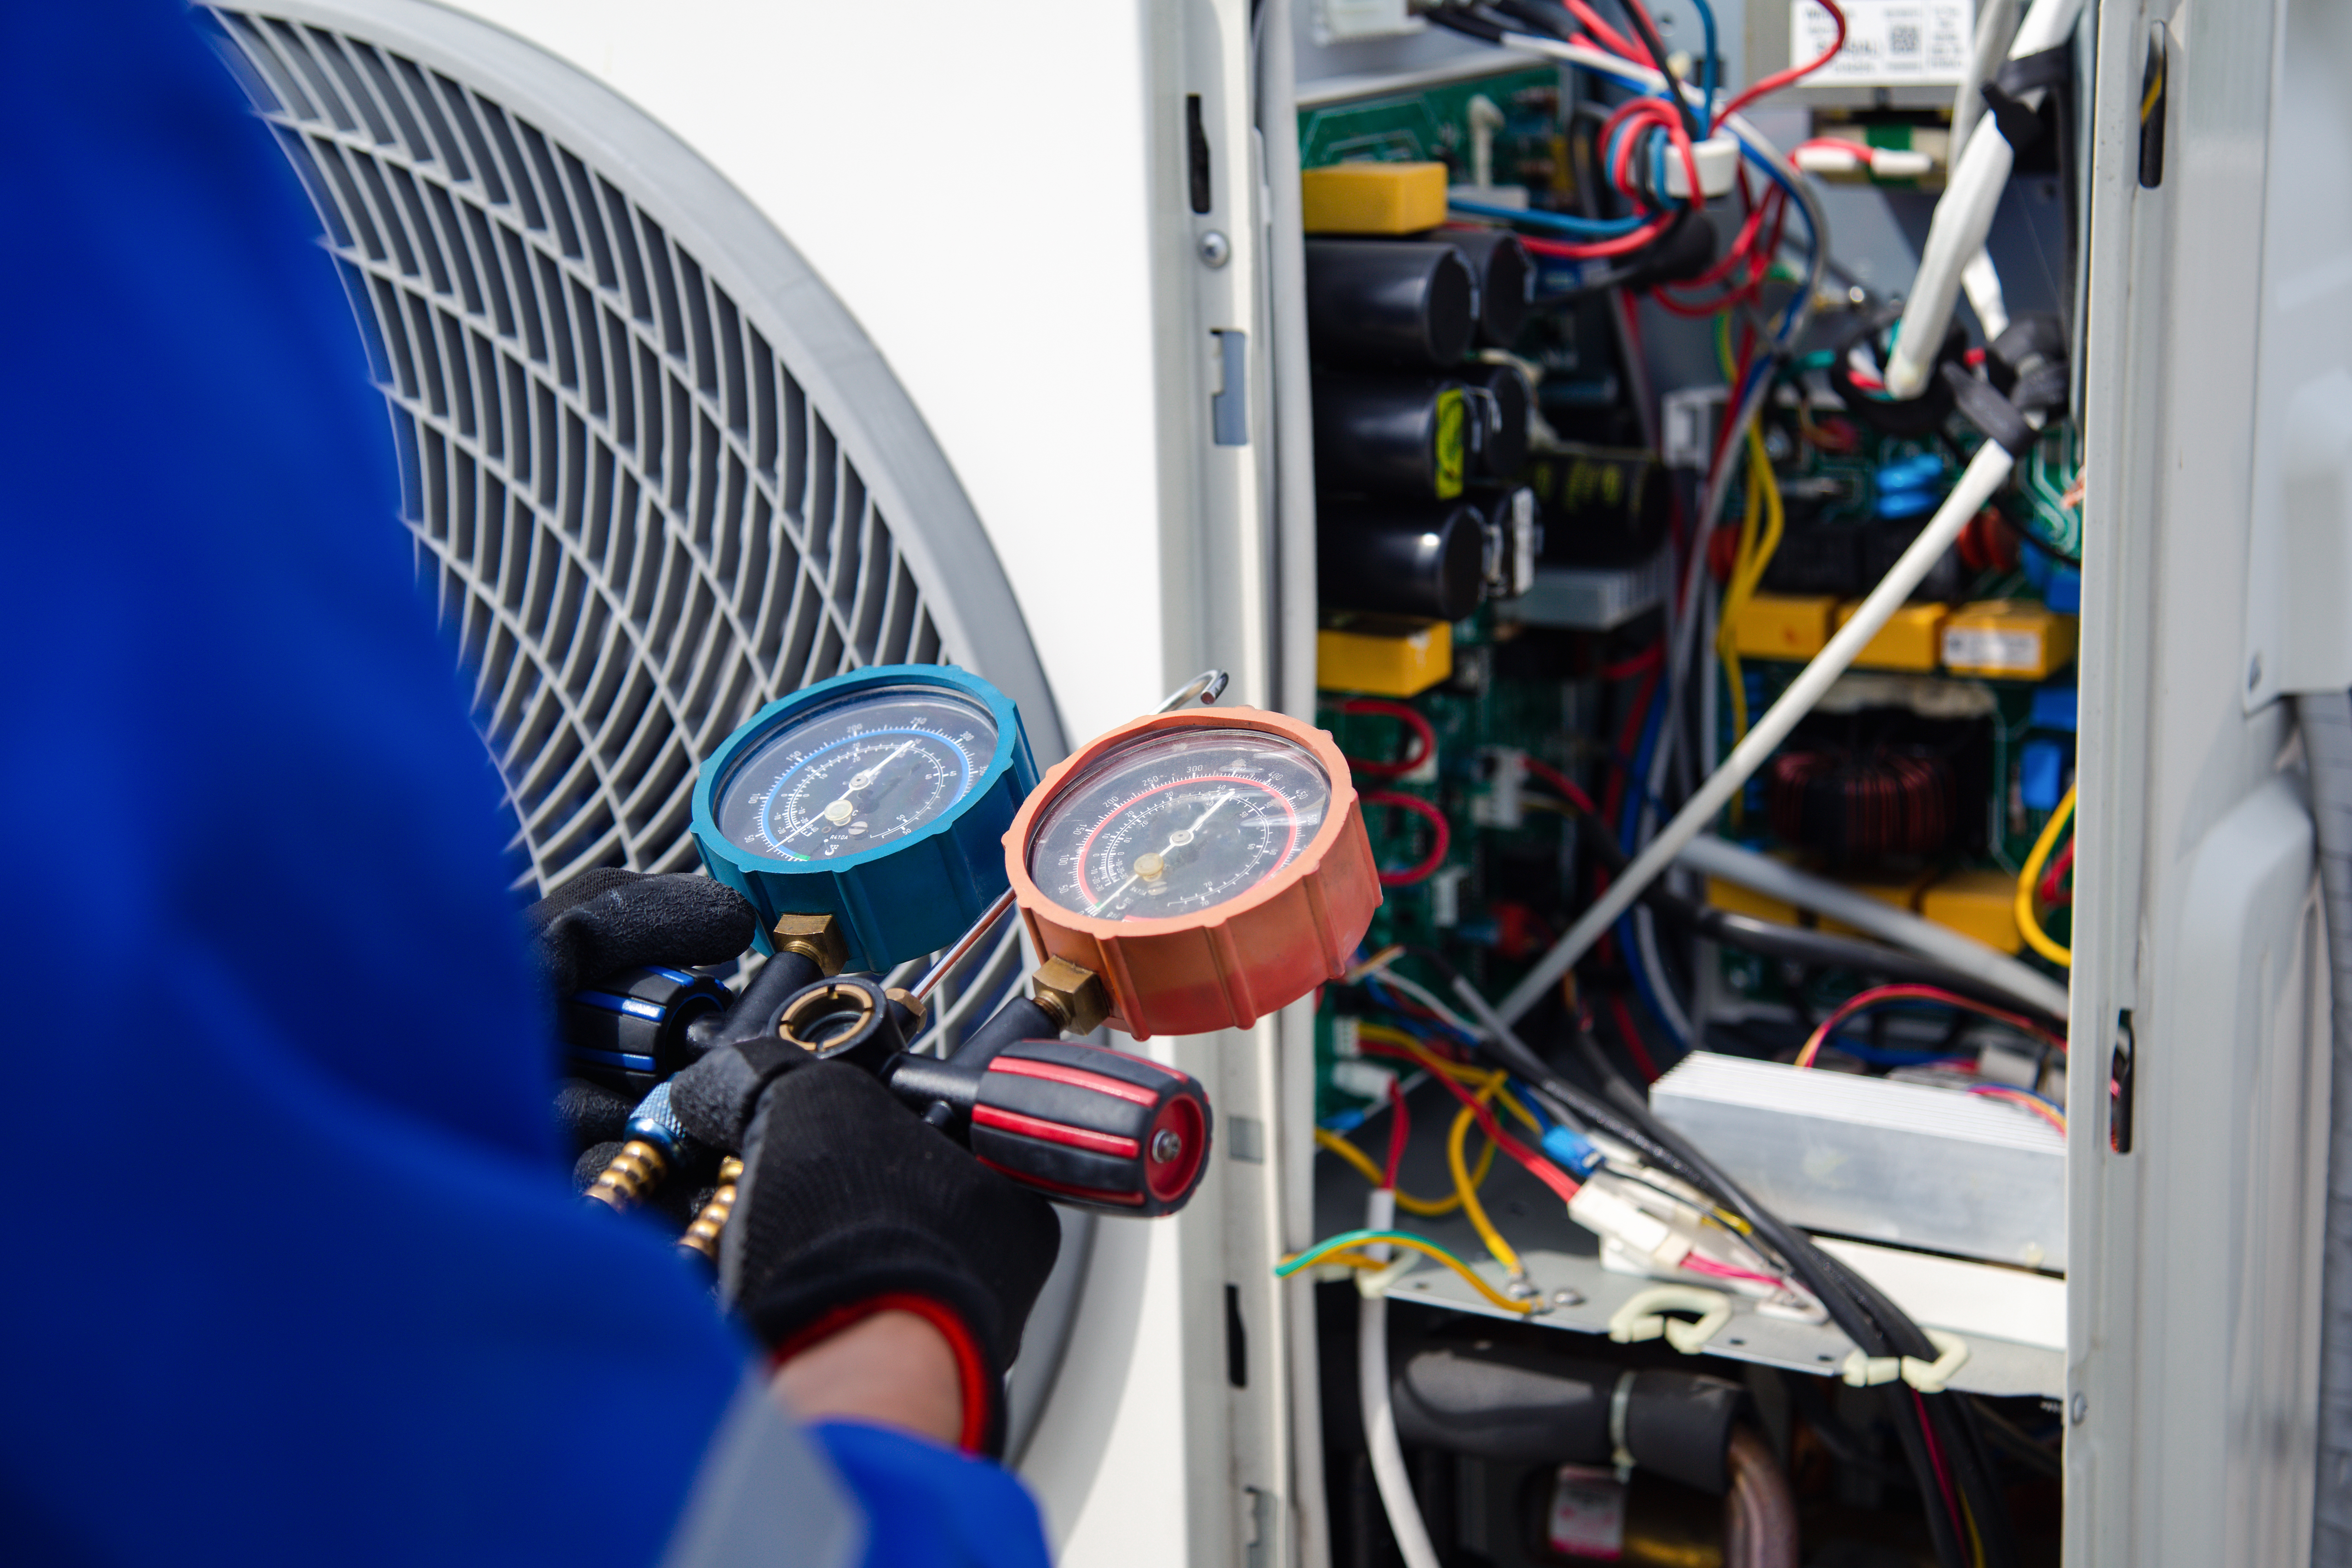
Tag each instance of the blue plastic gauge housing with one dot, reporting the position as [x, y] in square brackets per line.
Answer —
[878, 797]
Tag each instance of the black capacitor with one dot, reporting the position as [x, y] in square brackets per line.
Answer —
[1503, 454]
[1405, 437]
[1406, 304]
[1507, 282]
[1431, 562]
[1602, 506]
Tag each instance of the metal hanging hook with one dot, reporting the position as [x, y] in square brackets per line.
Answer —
[1204, 688]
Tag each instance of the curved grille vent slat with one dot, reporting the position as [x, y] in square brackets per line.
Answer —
[635, 520]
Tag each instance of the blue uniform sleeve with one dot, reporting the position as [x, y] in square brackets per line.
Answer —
[928, 1506]
[292, 1271]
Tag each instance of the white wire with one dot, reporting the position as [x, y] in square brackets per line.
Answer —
[1428, 998]
[1372, 1393]
[1984, 474]
[1964, 215]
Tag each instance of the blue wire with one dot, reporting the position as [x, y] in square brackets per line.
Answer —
[1706, 72]
[1643, 982]
[1558, 222]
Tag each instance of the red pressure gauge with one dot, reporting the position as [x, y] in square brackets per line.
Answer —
[1210, 865]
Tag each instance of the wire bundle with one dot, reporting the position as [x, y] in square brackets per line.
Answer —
[1864, 805]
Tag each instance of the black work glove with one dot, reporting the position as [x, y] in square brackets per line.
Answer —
[849, 1203]
[607, 920]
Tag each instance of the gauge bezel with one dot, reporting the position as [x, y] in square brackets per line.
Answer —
[1230, 964]
[905, 896]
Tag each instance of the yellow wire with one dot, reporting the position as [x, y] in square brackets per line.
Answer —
[1427, 1208]
[1428, 1250]
[1502, 1251]
[2026, 923]
[1759, 538]
[1460, 1072]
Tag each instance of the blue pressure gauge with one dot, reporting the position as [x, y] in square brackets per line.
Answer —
[879, 797]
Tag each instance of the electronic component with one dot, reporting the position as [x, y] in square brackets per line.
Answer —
[1506, 279]
[1409, 304]
[1601, 506]
[1911, 1165]
[1368, 198]
[1431, 562]
[1979, 903]
[1501, 449]
[1863, 804]
[2008, 640]
[871, 796]
[1783, 626]
[1211, 866]
[1912, 638]
[1383, 655]
[1408, 438]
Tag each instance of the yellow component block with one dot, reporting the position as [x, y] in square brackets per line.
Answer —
[1979, 903]
[2008, 640]
[1912, 639]
[1374, 198]
[1383, 655]
[1782, 626]
[1901, 894]
[1734, 899]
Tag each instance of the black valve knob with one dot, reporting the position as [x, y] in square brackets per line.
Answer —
[630, 1032]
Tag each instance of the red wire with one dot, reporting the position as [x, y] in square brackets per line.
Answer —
[1400, 1130]
[1542, 1169]
[1567, 786]
[1626, 669]
[1627, 739]
[1633, 1033]
[1779, 79]
[1424, 738]
[2053, 893]
[1441, 835]
[1595, 249]
[1935, 1450]
[1616, 42]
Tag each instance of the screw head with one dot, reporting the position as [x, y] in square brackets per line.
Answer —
[1215, 249]
[2078, 1408]
[1564, 1297]
[1167, 1147]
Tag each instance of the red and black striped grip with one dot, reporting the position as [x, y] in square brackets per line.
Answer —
[1091, 1126]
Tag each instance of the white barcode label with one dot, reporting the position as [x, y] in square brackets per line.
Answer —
[1588, 1513]
[1974, 648]
[1888, 43]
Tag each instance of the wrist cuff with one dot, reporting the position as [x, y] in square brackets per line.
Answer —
[972, 1376]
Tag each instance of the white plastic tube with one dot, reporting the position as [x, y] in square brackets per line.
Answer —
[1372, 1393]
[1712, 856]
[1979, 480]
[1964, 215]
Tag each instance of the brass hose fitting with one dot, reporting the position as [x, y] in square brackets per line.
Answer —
[702, 1236]
[636, 1170]
[817, 937]
[1072, 997]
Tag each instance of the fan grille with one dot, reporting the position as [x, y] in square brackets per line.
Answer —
[638, 523]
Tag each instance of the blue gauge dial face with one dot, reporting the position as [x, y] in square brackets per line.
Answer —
[873, 769]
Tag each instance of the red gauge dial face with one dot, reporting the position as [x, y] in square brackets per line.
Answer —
[1176, 822]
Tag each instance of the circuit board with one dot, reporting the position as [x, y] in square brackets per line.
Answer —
[1433, 124]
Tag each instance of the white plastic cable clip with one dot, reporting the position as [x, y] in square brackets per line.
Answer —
[1862, 1371]
[1930, 1376]
[1643, 1317]
[1375, 1282]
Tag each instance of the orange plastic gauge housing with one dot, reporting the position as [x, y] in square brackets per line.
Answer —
[1227, 965]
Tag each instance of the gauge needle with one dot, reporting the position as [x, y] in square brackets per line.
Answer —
[838, 813]
[1176, 840]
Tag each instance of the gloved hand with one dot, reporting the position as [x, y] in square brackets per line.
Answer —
[607, 920]
[850, 1205]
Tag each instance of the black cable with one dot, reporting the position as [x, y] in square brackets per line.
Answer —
[1655, 47]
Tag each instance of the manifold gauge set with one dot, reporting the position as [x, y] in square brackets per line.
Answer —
[1194, 869]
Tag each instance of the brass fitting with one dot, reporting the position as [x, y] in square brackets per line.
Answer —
[819, 1003]
[636, 1170]
[1073, 996]
[702, 1236]
[817, 937]
[908, 1001]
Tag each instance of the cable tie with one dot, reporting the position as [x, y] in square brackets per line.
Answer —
[1862, 1371]
[1932, 1376]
